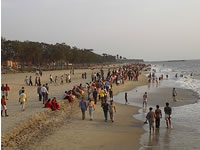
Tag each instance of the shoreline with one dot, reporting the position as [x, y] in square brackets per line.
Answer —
[127, 86]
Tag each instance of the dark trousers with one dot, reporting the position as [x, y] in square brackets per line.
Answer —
[95, 100]
[83, 114]
[44, 97]
[105, 114]
[40, 97]
[157, 122]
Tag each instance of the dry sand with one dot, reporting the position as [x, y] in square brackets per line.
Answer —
[26, 130]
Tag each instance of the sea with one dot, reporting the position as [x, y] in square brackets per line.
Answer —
[185, 134]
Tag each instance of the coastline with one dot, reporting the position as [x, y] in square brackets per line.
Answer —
[133, 126]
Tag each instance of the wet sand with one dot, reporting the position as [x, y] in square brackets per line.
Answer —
[184, 134]
[39, 131]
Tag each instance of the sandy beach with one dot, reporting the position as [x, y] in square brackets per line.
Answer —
[66, 126]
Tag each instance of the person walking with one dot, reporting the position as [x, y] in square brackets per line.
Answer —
[151, 119]
[126, 98]
[111, 93]
[23, 100]
[2, 89]
[30, 81]
[95, 95]
[3, 106]
[105, 109]
[39, 92]
[145, 100]
[91, 106]
[158, 114]
[112, 109]
[7, 89]
[44, 93]
[174, 94]
[83, 107]
[168, 112]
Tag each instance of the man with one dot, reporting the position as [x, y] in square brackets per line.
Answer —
[151, 118]
[112, 109]
[44, 93]
[158, 114]
[3, 106]
[168, 112]
[83, 107]
[174, 94]
[145, 100]
[126, 98]
[2, 89]
[20, 92]
[30, 81]
[91, 109]
[39, 92]
[105, 110]
[7, 89]
[95, 95]
[23, 100]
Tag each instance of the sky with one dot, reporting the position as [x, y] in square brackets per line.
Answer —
[152, 30]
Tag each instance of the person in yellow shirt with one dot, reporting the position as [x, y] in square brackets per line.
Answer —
[91, 106]
[23, 99]
[101, 93]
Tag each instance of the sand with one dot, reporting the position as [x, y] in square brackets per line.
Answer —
[26, 130]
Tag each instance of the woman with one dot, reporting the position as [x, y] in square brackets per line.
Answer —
[91, 106]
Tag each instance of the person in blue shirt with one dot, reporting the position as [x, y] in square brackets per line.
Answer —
[83, 107]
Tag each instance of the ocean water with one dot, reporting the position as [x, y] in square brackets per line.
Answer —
[185, 134]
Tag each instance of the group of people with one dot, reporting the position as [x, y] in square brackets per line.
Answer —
[56, 79]
[154, 117]
[52, 104]
[106, 107]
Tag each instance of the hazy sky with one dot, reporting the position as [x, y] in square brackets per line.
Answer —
[148, 29]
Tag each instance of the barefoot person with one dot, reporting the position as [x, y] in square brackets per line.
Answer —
[83, 107]
[158, 114]
[23, 100]
[105, 109]
[3, 106]
[126, 98]
[168, 112]
[112, 109]
[151, 119]
[91, 109]
[145, 100]
[174, 94]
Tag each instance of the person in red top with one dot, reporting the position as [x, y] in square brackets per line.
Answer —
[3, 106]
[55, 105]
[6, 88]
[48, 104]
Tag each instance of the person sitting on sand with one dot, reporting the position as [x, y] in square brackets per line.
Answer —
[151, 119]
[48, 104]
[55, 105]
[3, 106]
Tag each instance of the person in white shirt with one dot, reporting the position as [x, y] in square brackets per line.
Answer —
[44, 92]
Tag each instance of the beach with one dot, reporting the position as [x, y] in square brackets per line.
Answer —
[66, 124]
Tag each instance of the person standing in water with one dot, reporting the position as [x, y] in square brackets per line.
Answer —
[145, 100]
[158, 114]
[174, 94]
[151, 119]
[168, 112]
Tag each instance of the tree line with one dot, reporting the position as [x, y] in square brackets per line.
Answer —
[42, 53]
